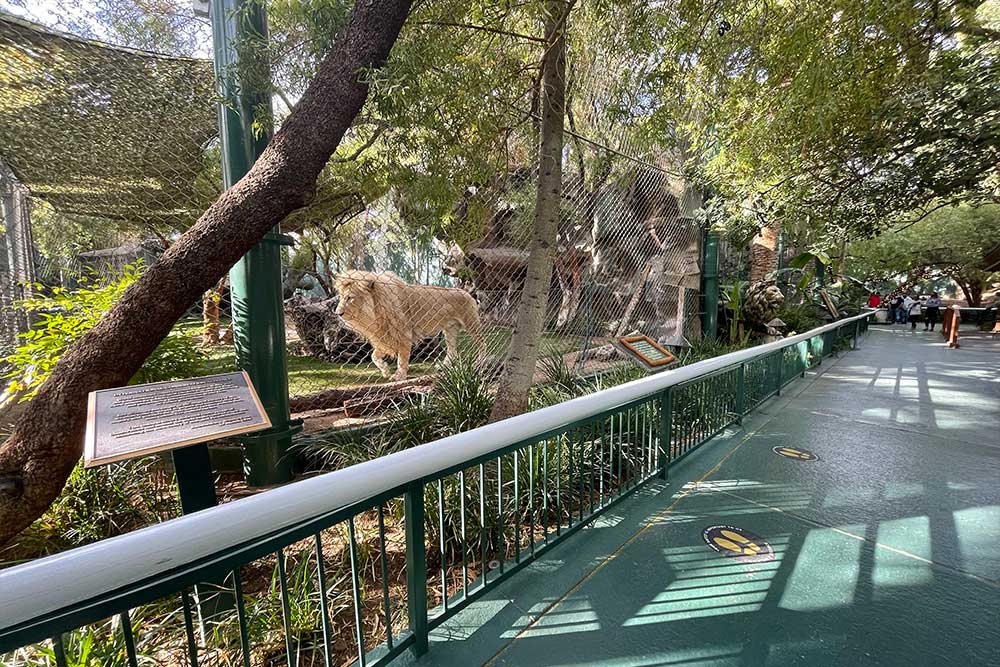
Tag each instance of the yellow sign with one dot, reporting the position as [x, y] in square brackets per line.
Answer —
[794, 453]
[739, 544]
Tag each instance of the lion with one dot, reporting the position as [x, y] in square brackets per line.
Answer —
[394, 315]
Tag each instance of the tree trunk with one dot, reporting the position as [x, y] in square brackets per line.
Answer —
[764, 251]
[965, 290]
[519, 367]
[972, 289]
[210, 309]
[976, 293]
[210, 319]
[48, 438]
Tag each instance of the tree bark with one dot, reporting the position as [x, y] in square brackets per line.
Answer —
[48, 437]
[210, 319]
[210, 311]
[764, 251]
[519, 366]
[976, 288]
[971, 288]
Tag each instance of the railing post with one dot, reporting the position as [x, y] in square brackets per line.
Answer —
[854, 340]
[416, 565]
[779, 370]
[666, 428]
[740, 389]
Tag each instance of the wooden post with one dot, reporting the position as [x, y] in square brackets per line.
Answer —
[949, 326]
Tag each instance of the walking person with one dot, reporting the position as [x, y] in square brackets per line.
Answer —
[912, 306]
[896, 310]
[875, 300]
[931, 308]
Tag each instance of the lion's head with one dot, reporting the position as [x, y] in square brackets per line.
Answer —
[357, 296]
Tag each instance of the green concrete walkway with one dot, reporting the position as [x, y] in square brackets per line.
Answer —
[886, 550]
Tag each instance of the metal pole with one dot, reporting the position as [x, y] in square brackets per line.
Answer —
[255, 281]
[416, 566]
[710, 285]
[666, 429]
[740, 390]
[195, 480]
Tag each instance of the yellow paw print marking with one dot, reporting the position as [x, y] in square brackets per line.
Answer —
[737, 543]
[794, 453]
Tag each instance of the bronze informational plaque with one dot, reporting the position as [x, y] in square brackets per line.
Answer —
[127, 422]
[647, 350]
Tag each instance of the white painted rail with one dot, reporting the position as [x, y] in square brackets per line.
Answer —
[56, 582]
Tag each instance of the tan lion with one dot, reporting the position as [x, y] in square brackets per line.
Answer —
[394, 315]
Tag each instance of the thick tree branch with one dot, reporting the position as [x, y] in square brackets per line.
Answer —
[483, 28]
[48, 437]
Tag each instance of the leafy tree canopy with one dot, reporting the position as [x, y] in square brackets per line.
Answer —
[852, 115]
[949, 243]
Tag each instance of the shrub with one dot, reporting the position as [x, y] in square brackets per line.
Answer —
[800, 318]
[98, 503]
[65, 315]
[459, 400]
[110, 500]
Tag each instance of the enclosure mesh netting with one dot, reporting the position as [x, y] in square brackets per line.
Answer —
[109, 151]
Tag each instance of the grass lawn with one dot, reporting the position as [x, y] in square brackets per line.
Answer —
[308, 375]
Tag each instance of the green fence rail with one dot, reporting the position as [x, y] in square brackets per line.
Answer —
[364, 562]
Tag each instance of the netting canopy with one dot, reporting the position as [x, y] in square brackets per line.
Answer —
[103, 131]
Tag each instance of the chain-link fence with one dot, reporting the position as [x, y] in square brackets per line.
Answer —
[625, 261]
[107, 151]
[112, 151]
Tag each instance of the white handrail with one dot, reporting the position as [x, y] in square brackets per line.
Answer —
[45, 585]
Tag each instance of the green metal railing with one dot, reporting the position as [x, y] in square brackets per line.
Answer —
[364, 562]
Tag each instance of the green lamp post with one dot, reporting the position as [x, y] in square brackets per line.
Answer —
[255, 281]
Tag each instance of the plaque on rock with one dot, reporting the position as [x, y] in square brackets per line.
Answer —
[133, 421]
[647, 351]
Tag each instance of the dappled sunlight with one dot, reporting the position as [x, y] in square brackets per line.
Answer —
[574, 614]
[846, 496]
[978, 532]
[904, 489]
[708, 584]
[892, 568]
[883, 546]
[466, 622]
[816, 582]
[715, 654]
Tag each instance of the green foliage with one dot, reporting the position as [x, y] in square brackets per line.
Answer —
[461, 394]
[459, 400]
[65, 315]
[840, 117]
[733, 296]
[97, 503]
[707, 348]
[800, 317]
[87, 647]
[561, 383]
[950, 243]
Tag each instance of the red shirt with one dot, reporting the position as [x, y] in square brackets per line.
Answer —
[874, 300]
